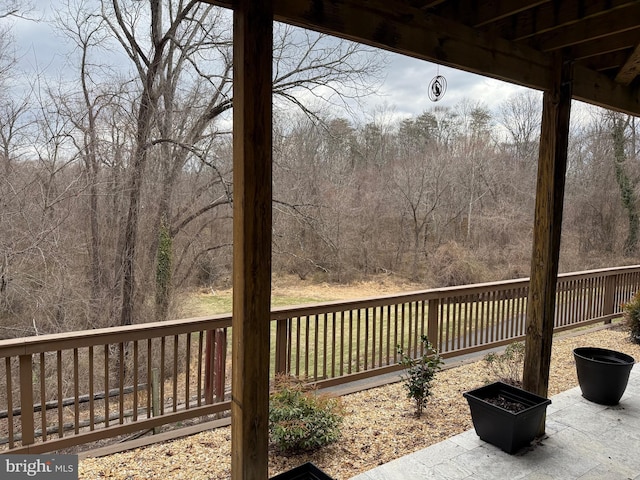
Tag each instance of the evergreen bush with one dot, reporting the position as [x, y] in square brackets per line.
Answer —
[631, 314]
[420, 373]
[300, 419]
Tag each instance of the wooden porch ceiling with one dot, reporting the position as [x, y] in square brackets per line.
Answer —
[512, 40]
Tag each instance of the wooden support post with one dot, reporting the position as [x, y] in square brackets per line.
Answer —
[547, 229]
[252, 218]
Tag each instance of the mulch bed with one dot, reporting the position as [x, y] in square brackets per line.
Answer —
[379, 425]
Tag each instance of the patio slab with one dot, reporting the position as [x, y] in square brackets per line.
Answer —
[583, 441]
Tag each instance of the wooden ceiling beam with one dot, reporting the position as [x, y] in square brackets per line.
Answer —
[613, 43]
[631, 69]
[551, 16]
[493, 11]
[607, 61]
[597, 89]
[600, 27]
[410, 31]
[477, 14]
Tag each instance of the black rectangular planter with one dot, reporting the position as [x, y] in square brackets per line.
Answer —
[501, 427]
[306, 471]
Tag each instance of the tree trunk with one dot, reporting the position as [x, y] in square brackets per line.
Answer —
[627, 194]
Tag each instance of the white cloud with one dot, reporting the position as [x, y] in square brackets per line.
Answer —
[407, 83]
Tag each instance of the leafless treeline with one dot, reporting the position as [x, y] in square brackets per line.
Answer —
[116, 182]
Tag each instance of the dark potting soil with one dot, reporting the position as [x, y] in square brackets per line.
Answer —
[512, 406]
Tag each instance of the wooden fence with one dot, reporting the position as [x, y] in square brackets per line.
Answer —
[69, 389]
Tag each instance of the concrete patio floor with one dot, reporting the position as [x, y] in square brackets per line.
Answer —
[583, 441]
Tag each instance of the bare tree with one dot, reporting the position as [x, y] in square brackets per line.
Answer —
[620, 124]
[184, 72]
[520, 116]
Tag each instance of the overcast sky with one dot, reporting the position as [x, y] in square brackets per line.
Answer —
[405, 88]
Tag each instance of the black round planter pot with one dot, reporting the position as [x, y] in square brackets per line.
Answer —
[602, 374]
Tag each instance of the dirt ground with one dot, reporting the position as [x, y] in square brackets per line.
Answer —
[380, 285]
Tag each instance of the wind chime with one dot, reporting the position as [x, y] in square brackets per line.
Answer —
[437, 87]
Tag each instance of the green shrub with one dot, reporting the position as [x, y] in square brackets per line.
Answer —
[631, 314]
[420, 373]
[508, 366]
[302, 420]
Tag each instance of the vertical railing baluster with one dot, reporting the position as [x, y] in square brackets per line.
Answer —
[187, 373]
[374, 337]
[389, 346]
[60, 397]
[342, 338]
[366, 337]
[135, 380]
[307, 340]
[403, 329]
[350, 368]
[358, 337]
[43, 396]
[76, 393]
[325, 343]
[316, 339]
[163, 356]
[609, 295]
[221, 363]
[381, 337]
[412, 340]
[92, 408]
[395, 333]
[26, 399]
[106, 385]
[423, 330]
[201, 335]
[174, 380]
[209, 367]
[9, 392]
[333, 343]
[282, 336]
[149, 376]
[121, 373]
[298, 343]
[434, 333]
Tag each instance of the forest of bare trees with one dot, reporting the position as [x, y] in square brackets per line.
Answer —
[116, 183]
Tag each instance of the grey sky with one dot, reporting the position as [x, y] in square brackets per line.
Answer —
[405, 89]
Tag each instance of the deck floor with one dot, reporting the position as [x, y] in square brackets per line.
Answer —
[583, 441]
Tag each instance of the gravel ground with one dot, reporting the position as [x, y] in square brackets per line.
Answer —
[379, 425]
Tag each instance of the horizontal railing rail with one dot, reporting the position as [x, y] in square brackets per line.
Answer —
[170, 372]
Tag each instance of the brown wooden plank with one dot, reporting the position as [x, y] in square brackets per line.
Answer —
[547, 229]
[558, 15]
[252, 223]
[76, 392]
[599, 27]
[26, 399]
[631, 68]
[9, 392]
[43, 396]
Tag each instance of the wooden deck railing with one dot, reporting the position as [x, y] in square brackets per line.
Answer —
[58, 391]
